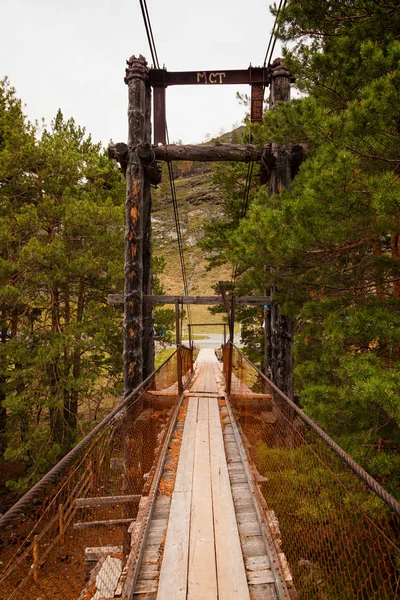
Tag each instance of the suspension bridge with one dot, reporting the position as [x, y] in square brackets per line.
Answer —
[203, 494]
[206, 481]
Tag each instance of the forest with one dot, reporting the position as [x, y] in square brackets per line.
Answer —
[330, 246]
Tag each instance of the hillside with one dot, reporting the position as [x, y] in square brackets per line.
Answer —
[198, 199]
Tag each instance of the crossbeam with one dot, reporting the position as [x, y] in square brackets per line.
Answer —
[162, 77]
[257, 77]
[200, 152]
[245, 300]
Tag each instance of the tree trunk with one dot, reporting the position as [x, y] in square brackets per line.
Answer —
[380, 286]
[71, 400]
[3, 380]
[395, 244]
[53, 369]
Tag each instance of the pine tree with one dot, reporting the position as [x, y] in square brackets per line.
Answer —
[62, 256]
[331, 244]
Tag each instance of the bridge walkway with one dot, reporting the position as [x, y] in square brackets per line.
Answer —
[205, 539]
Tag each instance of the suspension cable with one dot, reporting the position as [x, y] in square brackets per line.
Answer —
[243, 212]
[273, 38]
[153, 51]
[149, 32]
[178, 232]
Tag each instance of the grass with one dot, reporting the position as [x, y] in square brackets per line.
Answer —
[193, 211]
[163, 356]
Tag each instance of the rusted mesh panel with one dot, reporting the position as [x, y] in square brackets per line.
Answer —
[187, 364]
[84, 520]
[340, 539]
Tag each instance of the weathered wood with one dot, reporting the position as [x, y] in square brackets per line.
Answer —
[202, 575]
[159, 115]
[244, 300]
[280, 328]
[94, 553]
[110, 523]
[149, 508]
[162, 77]
[136, 78]
[35, 559]
[119, 152]
[200, 153]
[232, 581]
[61, 525]
[174, 568]
[148, 324]
[105, 501]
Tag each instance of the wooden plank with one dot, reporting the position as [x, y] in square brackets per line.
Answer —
[105, 501]
[110, 523]
[146, 586]
[202, 575]
[173, 575]
[97, 552]
[184, 474]
[161, 508]
[232, 582]
[147, 511]
[265, 591]
[174, 567]
[253, 546]
[260, 577]
[256, 563]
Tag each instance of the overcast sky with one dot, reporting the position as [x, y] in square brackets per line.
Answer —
[71, 54]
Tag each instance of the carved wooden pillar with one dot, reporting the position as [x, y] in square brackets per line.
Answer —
[137, 80]
[279, 328]
[148, 325]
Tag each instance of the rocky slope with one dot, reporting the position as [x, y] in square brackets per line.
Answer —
[198, 199]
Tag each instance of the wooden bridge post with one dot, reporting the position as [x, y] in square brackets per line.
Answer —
[35, 565]
[178, 348]
[148, 324]
[279, 328]
[137, 79]
[61, 524]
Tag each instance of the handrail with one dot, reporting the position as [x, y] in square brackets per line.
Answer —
[55, 473]
[354, 466]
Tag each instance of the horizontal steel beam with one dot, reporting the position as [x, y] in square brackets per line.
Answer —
[164, 78]
[246, 300]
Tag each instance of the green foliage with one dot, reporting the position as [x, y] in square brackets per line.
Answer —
[319, 504]
[164, 318]
[331, 245]
[61, 254]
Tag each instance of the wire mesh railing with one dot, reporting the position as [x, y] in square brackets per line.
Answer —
[337, 527]
[82, 514]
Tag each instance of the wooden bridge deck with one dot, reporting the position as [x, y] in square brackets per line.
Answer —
[212, 538]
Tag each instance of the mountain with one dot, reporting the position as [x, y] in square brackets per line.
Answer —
[198, 199]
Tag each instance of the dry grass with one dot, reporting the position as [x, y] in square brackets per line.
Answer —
[193, 211]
